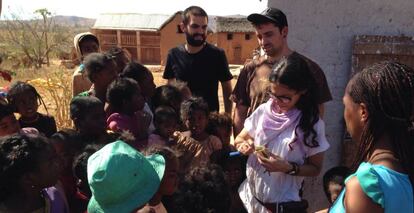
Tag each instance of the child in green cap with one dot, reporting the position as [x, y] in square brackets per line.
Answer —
[121, 179]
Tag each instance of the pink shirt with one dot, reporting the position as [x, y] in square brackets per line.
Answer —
[120, 122]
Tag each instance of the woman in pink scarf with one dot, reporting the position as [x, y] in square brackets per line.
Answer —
[285, 140]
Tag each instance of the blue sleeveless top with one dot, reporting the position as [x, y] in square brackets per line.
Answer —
[390, 189]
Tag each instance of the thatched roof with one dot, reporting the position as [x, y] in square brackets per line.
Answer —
[233, 24]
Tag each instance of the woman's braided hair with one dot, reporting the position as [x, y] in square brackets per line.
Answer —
[387, 89]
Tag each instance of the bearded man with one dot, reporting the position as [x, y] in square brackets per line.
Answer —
[200, 64]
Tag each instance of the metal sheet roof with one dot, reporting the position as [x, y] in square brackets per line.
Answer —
[154, 22]
[130, 21]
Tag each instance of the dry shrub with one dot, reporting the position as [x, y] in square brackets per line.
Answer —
[55, 90]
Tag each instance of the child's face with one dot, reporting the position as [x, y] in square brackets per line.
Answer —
[167, 128]
[65, 156]
[233, 172]
[47, 172]
[169, 181]
[148, 86]
[224, 134]
[283, 96]
[107, 75]
[9, 125]
[197, 122]
[94, 123]
[27, 104]
[334, 190]
[88, 46]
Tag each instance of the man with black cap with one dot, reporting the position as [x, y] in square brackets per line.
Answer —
[199, 63]
[271, 30]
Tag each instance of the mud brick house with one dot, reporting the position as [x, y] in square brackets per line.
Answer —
[148, 37]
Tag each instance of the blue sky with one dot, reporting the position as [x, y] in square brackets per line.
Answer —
[92, 8]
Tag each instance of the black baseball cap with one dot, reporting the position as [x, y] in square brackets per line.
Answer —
[273, 15]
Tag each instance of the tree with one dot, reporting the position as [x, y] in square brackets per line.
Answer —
[34, 38]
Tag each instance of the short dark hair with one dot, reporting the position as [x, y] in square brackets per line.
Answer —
[95, 63]
[337, 175]
[80, 163]
[80, 106]
[189, 106]
[19, 154]
[203, 190]
[5, 110]
[120, 90]
[69, 138]
[216, 120]
[166, 95]
[164, 113]
[193, 10]
[136, 71]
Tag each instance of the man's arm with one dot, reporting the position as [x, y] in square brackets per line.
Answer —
[226, 87]
[240, 114]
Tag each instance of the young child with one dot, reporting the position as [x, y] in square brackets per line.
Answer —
[88, 116]
[284, 139]
[9, 124]
[79, 168]
[101, 71]
[220, 124]
[122, 179]
[67, 144]
[203, 190]
[125, 100]
[196, 145]
[166, 123]
[334, 182]
[122, 57]
[25, 100]
[167, 95]
[29, 169]
[169, 181]
[85, 44]
[143, 76]
[233, 165]
[183, 88]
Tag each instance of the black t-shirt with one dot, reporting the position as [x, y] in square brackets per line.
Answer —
[202, 71]
[44, 124]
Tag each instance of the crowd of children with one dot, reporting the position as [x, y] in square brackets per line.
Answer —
[121, 119]
[138, 148]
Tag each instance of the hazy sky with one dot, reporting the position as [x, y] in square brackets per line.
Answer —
[92, 8]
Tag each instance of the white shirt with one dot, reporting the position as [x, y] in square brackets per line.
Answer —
[278, 186]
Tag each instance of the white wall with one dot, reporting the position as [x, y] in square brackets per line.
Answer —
[323, 30]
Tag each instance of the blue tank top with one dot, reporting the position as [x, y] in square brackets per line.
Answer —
[390, 189]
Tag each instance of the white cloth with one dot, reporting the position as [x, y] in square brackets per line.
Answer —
[278, 186]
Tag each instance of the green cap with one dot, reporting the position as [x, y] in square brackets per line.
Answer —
[122, 179]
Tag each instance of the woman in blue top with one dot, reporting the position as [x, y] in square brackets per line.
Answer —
[379, 113]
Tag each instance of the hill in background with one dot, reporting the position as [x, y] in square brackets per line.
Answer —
[74, 21]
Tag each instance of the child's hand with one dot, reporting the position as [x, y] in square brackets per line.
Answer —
[245, 148]
[273, 163]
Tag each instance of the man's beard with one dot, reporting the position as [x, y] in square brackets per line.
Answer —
[193, 42]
